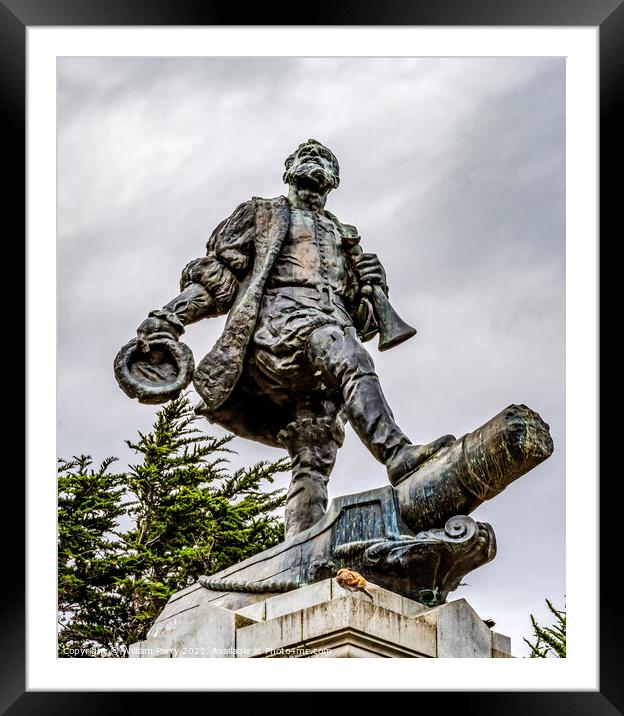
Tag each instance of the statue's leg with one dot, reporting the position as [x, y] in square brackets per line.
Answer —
[312, 443]
[345, 363]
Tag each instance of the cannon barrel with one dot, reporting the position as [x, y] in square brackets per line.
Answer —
[474, 468]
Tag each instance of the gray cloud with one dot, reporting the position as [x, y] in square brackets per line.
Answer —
[452, 169]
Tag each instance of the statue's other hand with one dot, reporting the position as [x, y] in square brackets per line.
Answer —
[156, 327]
[369, 269]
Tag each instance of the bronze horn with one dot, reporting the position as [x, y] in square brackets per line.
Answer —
[393, 330]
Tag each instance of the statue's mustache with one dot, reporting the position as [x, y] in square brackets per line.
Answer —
[312, 170]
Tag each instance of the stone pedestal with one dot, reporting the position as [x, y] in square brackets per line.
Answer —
[319, 620]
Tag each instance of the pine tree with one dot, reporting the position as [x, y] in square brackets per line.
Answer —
[549, 641]
[89, 507]
[178, 513]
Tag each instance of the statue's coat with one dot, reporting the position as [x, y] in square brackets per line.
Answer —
[260, 225]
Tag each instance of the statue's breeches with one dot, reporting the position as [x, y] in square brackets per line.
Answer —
[278, 362]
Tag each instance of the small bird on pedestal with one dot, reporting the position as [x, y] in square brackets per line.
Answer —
[352, 581]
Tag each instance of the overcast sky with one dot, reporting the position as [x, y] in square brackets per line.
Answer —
[453, 170]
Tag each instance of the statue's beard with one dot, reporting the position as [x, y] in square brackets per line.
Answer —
[310, 175]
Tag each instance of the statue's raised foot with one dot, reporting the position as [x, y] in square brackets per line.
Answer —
[409, 458]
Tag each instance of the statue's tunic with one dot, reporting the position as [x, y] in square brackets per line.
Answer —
[305, 290]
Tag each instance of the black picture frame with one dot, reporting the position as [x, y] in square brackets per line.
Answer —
[17, 15]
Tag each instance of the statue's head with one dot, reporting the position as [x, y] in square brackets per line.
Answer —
[312, 166]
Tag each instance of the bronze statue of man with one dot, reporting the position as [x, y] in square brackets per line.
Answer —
[290, 366]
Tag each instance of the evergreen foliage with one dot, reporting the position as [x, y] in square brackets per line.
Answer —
[127, 541]
[549, 641]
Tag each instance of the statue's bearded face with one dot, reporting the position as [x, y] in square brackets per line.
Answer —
[312, 166]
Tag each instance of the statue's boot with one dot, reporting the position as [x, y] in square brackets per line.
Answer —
[408, 458]
[312, 443]
[343, 361]
[373, 421]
